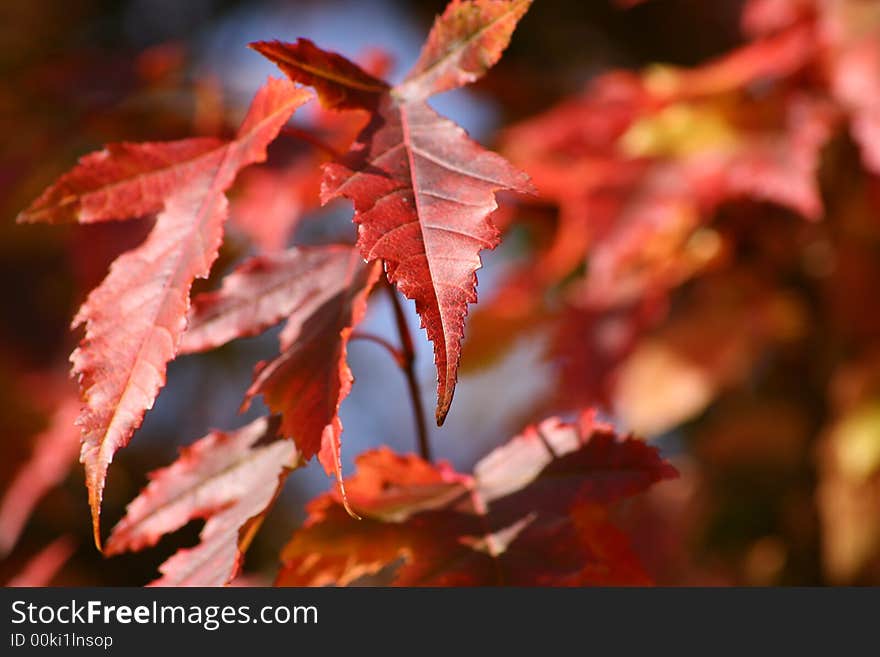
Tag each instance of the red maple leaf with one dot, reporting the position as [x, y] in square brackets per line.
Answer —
[422, 190]
[134, 319]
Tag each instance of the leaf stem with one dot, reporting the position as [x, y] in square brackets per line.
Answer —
[396, 353]
[407, 362]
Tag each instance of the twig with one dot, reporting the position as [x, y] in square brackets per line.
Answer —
[396, 353]
[408, 357]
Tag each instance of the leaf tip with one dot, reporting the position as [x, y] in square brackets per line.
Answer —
[443, 406]
[261, 46]
[350, 511]
[96, 526]
[95, 484]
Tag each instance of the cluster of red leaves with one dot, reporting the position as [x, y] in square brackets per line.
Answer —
[534, 512]
[636, 280]
[434, 189]
[422, 192]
